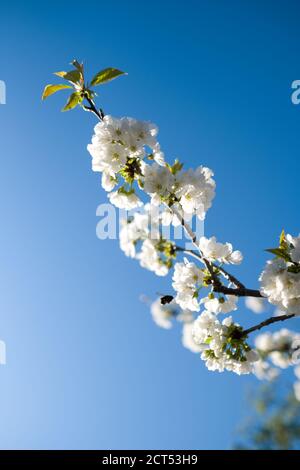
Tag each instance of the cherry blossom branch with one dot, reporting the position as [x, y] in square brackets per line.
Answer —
[230, 277]
[214, 279]
[239, 292]
[217, 285]
[225, 273]
[267, 322]
[114, 154]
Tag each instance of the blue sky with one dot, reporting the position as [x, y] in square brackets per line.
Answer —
[86, 367]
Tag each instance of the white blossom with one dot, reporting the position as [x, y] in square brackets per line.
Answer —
[132, 134]
[294, 247]
[192, 189]
[279, 359]
[220, 304]
[281, 286]
[195, 190]
[187, 279]
[150, 259]
[188, 339]
[162, 314]
[185, 316]
[140, 238]
[158, 181]
[119, 145]
[222, 252]
[264, 342]
[264, 371]
[124, 200]
[217, 352]
[169, 216]
[139, 134]
[110, 158]
[108, 181]
[158, 155]
[255, 304]
[278, 347]
[132, 231]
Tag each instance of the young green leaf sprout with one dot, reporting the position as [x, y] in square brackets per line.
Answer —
[82, 90]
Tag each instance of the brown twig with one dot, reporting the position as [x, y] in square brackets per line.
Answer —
[225, 273]
[93, 109]
[267, 322]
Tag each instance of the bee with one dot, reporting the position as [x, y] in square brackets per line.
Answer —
[166, 299]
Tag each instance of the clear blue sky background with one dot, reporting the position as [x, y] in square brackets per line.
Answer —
[87, 368]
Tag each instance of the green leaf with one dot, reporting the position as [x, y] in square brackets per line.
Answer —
[74, 76]
[123, 190]
[77, 65]
[281, 253]
[176, 167]
[72, 102]
[282, 238]
[106, 75]
[50, 89]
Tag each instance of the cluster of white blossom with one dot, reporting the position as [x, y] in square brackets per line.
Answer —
[278, 351]
[187, 280]
[115, 140]
[150, 258]
[280, 280]
[191, 192]
[119, 149]
[219, 304]
[164, 314]
[188, 338]
[133, 230]
[222, 252]
[256, 304]
[124, 199]
[222, 344]
[140, 238]
[279, 347]
[265, 371]
[196, 190]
